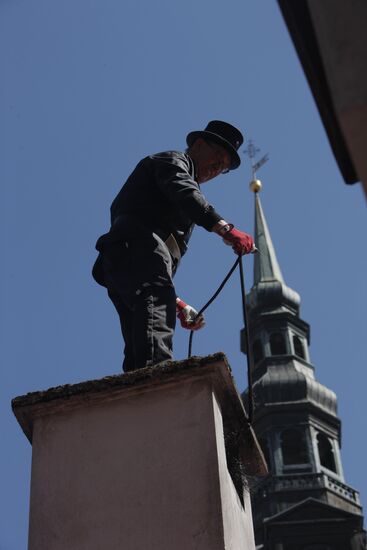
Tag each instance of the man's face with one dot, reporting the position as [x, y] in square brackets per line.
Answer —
[211, 160]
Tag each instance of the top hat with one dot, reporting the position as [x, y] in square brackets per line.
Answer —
[224, 134]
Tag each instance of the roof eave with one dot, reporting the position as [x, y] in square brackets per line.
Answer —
[298, 20]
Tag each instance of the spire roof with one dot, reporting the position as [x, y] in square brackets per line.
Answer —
[266, 266]
[269, 289]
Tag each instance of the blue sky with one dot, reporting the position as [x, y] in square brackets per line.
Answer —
[87, 89]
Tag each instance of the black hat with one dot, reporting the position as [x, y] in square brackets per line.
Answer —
[224, 134]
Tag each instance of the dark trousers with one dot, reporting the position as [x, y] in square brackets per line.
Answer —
[138, 276]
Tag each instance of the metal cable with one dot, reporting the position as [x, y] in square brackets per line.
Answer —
[238, 262]
[248, 347]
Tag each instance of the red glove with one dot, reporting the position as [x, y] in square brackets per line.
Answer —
[242, 243]
[188, 316]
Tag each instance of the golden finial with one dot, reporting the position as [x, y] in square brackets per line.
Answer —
[255, 186]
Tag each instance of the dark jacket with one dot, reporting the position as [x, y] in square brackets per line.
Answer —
[160, 196]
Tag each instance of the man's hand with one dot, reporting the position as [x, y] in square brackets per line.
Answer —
[242, 243]
[188, 316]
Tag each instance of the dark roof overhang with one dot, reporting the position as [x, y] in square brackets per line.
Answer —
[299, 22]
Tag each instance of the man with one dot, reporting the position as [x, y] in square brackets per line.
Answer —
[152, 219]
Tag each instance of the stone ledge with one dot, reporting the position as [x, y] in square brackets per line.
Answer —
[241, 441]
[148, 374]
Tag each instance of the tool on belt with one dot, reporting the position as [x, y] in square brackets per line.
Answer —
[173, 247]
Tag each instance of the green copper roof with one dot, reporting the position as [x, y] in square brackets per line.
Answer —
[266, 266]
[269, 289]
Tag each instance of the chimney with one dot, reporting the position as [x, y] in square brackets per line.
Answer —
[155, 459]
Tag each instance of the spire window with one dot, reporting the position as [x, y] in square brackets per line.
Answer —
[257, 351]
[277, 344]
[294, 447]
[298, 347]
[326, 452]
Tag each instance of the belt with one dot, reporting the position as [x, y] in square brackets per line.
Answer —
[173, 247]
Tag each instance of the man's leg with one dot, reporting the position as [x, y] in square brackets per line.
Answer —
[126, 321]
[154, 320]
[139, 277]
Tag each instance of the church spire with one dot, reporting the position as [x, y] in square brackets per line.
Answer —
[268, 285]
[266, 266]
[295, 417]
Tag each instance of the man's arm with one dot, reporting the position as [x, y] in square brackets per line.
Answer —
[176, 182]
[173, 178]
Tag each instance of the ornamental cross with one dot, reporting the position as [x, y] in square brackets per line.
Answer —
[251, 151]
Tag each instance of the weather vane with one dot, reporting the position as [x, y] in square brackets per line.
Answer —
[251, 151]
